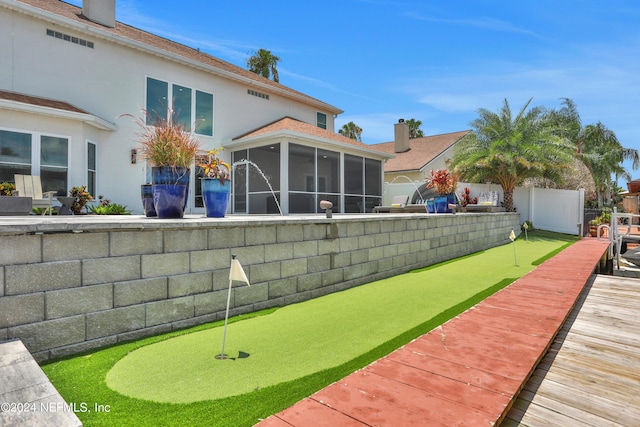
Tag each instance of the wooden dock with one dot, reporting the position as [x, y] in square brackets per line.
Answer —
[470, 370]
[591, 374]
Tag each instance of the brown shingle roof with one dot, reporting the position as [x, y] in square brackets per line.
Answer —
[294, 125]
[422, 151]
[40, 102]
[74, 13]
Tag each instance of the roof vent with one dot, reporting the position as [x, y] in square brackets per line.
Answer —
[101, 12]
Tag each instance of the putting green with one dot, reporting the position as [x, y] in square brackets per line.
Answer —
[301, 339]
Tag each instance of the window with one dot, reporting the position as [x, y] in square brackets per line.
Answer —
[373, 177]
[353, 175]
[204, 113]
[157, 100]
[188, 110]
[182, 106]
[313, 176]
[54, 163]
[15, 154]
[239, 181]
[302, 178]
[91, 168]
[35, 154]
[321, 120]
[256, 185]
[363, 183]
[302, 168]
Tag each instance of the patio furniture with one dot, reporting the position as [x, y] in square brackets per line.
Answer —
[487, 202]
[66, 207]
[396, 202]
[31, 186]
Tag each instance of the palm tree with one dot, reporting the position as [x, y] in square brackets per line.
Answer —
[414, 128]
[597, 147]
[351, 130]
[264, 63]
[506, 150]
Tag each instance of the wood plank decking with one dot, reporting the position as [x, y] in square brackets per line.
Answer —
[591, 374]
[469, 371]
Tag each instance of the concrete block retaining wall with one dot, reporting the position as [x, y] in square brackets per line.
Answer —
[84, 283]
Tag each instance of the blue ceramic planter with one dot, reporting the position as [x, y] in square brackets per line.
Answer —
[442, 203]
[215, 197]
[431, 206]
[169, 200]
[171, 175]
[146, 192]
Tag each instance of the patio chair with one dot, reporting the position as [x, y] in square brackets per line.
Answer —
[396, 202]
[31, 186]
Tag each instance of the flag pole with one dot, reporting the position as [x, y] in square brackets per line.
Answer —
[512, 236]
[235, 273]
[223, 356]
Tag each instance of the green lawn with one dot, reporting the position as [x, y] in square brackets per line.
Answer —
[285, 354]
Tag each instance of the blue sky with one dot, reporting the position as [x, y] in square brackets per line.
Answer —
[435, 61]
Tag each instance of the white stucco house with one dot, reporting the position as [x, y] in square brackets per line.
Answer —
[68, 74]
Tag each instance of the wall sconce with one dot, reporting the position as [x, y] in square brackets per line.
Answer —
[134, 156]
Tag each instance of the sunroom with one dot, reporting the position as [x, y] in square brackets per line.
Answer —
[290, 166]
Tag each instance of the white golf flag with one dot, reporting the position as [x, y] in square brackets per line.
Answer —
[512, 236]
[237, 273]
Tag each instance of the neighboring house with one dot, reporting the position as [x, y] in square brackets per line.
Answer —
[415, 158]
[68, 74]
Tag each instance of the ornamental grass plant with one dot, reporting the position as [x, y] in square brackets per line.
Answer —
[165, 142]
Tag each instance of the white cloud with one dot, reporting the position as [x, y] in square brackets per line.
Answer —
[484, 23]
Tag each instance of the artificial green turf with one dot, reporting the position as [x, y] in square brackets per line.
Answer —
[292, 351]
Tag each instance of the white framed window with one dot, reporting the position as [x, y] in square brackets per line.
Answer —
[92, 169]
[321, 120]
[35, 153]
[191, 111]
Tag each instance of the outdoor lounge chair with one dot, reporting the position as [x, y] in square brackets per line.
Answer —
[31, 186]
[396, 202]
[487, 202]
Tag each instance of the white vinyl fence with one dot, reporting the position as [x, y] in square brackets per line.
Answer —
[548, 209]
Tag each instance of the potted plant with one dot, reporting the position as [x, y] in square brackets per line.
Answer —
[146, 192]
[106, 207]
[466, 199]
[81, 197]
[170, 150]
[216, 184]
[603, 218]
[443, 183]
[12, 204]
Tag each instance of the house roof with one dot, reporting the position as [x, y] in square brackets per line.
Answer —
[293, 126]
[50, 107]
[40, 102]
[72, 16]
[422, 151]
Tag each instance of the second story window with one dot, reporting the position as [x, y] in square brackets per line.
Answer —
[321, 120]
[189, 110]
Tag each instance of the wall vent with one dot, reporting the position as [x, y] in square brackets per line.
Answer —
[258, 94]
[68, 38]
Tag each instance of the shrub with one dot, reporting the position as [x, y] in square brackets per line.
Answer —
[107, 208]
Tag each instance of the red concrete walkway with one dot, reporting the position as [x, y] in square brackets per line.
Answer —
[466, 372]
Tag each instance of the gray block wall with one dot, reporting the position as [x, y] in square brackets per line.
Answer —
[70, 287]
